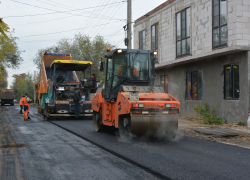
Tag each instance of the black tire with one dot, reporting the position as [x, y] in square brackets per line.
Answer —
[97, 120]
[12, 104]
[124, 126]
[2, 104]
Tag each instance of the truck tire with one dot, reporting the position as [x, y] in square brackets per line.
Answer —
[2, 104]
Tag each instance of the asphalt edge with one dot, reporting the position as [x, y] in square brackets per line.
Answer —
[116, 154]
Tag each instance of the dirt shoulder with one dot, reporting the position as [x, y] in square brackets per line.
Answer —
[236, 135]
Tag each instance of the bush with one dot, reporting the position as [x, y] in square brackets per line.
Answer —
[208, 117]
[241, 123]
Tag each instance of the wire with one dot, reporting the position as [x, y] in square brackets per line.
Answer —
[99, 21]
[89, 22]
[101, 29]
[62, 31]
[58, 11]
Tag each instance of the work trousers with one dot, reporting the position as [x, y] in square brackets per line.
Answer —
[26, 112]
[77, 108]
[21, 109]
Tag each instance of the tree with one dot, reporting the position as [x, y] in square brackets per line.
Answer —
[10, 55]
[3, 81]
[23, 83]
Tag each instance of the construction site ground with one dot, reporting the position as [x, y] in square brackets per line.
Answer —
[229, 133]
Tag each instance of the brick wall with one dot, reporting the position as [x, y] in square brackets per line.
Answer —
[201, 24]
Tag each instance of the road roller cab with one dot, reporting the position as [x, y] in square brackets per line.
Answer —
[130, 102]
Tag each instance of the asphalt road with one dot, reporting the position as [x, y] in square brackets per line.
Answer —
[183, 158]
[40, 150]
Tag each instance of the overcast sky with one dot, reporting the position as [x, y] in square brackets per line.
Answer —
[41, 23]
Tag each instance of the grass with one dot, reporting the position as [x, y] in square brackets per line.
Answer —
[241, 123]
[208, 116]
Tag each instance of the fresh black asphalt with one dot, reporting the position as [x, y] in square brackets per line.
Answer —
[183, 158]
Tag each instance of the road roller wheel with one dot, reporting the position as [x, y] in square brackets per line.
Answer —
[97, 120]
[124, 126]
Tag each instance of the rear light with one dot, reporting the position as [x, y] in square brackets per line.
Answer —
[173, 105]
[140, 105]
[170, 105]
[137, 112]
[135, 105]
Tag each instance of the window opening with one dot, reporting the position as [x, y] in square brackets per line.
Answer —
[194, 85]
[183, 33]
[219, 23]
[231, 82]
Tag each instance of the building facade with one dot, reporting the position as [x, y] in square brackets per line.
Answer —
[203, 53]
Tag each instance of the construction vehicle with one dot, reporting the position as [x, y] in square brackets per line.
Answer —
[59, 83]
[7, 97]
[130, 101]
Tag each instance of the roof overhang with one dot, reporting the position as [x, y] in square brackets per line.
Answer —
[212, 54]
[71, 65]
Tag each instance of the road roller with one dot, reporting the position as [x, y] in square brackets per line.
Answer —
[129, 100]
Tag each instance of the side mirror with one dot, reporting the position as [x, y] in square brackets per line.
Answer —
[102, 66]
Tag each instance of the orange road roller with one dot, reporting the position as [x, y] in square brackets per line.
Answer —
[130, 101]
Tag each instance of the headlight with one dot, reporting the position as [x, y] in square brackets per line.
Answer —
[167, 105]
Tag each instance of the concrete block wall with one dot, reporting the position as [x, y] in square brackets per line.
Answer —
[201, 24]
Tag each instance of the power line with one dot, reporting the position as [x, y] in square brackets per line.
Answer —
[55, 12]
[89, 21]
[109, 20]
[63, 31]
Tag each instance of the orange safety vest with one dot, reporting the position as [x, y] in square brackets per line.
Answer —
[21, 102]
[25, 102]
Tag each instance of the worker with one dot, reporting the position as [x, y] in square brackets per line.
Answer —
[77, 101]
[122, 70]
[26, 101]
[21, 105]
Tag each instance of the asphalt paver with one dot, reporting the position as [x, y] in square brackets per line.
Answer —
[37, 149]
[182, 158]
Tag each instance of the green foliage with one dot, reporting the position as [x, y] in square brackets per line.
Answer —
[10, 55]
[81, 48]
[241, 123]
[23, 83]
[208, 117]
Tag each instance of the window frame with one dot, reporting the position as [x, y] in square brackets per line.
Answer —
[191, 71]
[218, 27]
[156, 44]
[142, 39]
[164, 85]
[181, 39]
[232, 85]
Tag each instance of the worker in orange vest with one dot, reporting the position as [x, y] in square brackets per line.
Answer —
[122, 70]
[21, 105]
[26, 102]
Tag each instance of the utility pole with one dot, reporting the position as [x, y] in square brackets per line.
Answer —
[129, 23]
[34, 88]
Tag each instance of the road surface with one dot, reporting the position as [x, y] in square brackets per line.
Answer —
[70, 149]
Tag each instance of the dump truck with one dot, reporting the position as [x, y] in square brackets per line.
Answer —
[7, 97]
[130, 102]
[59, 82]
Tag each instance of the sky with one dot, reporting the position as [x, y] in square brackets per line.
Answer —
[41, 23]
